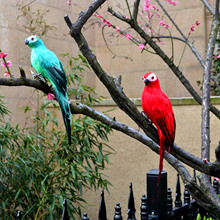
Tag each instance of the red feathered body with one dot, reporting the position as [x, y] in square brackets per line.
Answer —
[158, 109]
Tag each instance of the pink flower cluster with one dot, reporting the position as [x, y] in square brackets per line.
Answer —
[162, 23]
[147, 5]
[105, 21]
[3, 55]
[172, 2]
[5, 63]
[194, 25]
[50, 96]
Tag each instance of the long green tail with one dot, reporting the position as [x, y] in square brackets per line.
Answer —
[65, 110]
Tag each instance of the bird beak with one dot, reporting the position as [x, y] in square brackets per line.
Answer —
[26, 42]
[146, 81]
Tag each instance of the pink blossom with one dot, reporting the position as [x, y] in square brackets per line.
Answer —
[205, 160]
[68, 2]
[162, 22]
[174, 3]
[141, 46]
[118, 29]
[192, 27]
[150, 31]
[216, 178]
[50, 96]
[197, 23]
[6, 74]
[99, 16]
[128, 36]
[158, 15]
[69, 102]
[3, 55]
[9, 63]
[218, 56]
[167, 26]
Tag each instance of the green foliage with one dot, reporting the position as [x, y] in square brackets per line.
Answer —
[79, 91]
[34, 21]
[38, 169]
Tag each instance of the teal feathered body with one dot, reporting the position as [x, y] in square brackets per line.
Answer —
[46, 63]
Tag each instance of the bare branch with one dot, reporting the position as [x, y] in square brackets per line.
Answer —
[135, 10]
[206, 86]
[208, 6]
[182, 34]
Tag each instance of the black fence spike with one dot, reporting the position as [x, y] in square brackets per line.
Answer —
[169, 200]
[65, 215]
[118, 215]
[19, 215]
[178, 201]
[215, 185]
[144, 210]
[85, 217]
[186, 196]
[131, 205]
[102, 208]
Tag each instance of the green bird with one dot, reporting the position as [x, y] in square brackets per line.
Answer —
[46, 63]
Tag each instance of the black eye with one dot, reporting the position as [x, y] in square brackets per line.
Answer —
[32, 38]
[152, 77]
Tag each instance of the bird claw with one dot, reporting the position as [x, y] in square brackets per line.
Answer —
[38, 76]
[149, 122]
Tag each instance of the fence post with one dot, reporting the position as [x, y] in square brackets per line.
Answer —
[102, 208]
[178, 201]
[159, 206]
[131, 205]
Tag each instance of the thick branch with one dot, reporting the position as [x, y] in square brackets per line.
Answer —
[206, 86]
[45, 88]
[167, 60]
[208, 6]
[135, 10]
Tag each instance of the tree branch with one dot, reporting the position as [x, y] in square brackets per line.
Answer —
[205, 152]
[208, 6]
[135, 10]
[167, 60]
[197, 55]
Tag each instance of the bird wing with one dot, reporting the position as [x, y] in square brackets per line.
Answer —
[164, 117]
[46, 62]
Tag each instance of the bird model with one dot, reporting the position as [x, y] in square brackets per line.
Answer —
[46, 63]
[158, 109]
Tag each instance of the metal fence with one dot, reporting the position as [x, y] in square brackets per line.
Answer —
[163, 208]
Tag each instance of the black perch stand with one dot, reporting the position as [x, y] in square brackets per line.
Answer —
[158, 208]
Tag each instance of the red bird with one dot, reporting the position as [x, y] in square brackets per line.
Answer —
[158, 109]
